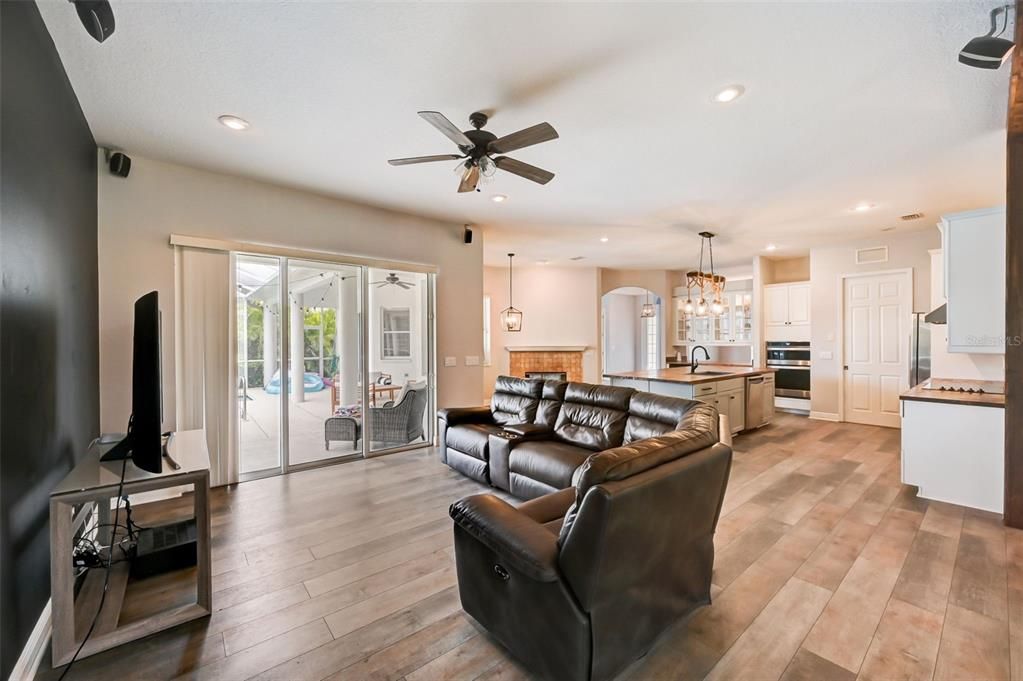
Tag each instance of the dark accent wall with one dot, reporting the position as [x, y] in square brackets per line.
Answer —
[49, 335]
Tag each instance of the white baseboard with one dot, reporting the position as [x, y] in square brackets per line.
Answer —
[825, 416]
[35, 648]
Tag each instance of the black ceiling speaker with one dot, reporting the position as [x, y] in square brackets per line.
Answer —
[989, 51]
[96, 16]
[468, 234]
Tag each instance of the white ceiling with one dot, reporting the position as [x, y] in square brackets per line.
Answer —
[845, 102]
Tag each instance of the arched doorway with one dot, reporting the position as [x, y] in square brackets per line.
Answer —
[630, 340]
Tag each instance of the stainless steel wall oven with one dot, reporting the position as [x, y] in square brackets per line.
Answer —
[791, 359]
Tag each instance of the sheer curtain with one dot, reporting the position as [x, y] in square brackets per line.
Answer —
[204, 345]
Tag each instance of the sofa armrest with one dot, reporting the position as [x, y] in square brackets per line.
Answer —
[516, 538]
[454, 416]
[530, 431]
[550, 506]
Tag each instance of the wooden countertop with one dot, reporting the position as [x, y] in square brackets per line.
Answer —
[921, 394]
[682, 375]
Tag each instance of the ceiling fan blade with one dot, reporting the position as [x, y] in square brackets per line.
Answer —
[541, 132]
[423, 159]
[538, 175]
[440, 121]
[469, 180]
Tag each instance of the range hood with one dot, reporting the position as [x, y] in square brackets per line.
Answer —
[937, 315]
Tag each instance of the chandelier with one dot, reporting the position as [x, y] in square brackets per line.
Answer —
[648, 311]
[709, 284]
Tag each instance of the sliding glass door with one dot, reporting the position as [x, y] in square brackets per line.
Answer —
[349, 346]
[260, 348]
[325, 345]
[399, 358]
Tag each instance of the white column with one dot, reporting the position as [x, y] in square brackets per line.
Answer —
[269, 344]
[348, 339]
[297, 347]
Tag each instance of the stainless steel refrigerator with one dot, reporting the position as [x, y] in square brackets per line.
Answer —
[919, 349]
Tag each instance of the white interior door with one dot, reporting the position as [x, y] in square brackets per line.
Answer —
[876, 346]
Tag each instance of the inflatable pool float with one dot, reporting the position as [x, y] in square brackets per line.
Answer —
[310, 381]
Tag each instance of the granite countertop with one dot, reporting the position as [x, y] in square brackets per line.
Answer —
[682, 375]
[976, 399]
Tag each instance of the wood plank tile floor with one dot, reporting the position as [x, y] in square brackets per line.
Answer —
[827, 568]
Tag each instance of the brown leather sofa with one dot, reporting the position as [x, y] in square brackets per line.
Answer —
[537, 433]
[580, 582]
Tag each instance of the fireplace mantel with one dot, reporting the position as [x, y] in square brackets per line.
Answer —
[546, 348]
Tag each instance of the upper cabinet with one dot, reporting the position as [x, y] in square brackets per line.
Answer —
[973, 246]
[734, 326]
[787, 311]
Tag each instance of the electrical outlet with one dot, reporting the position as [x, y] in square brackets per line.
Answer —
[826, 354]
[450, 361]
[472, 360]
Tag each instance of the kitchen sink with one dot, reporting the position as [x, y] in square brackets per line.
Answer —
[700, 372]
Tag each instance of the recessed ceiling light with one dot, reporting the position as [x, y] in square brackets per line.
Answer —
[770, 247]
[542, 262]
[861, 207]
[233, 122]
[604, 239]
[498, 198]
[730, 94]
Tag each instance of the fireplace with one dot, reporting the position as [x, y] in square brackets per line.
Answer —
[548, 375]
[560, 362]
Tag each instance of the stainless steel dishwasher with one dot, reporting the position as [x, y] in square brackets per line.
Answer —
[755, 396]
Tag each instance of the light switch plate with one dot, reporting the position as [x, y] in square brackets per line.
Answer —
[826, 354]
[450, 361]
[472, 360]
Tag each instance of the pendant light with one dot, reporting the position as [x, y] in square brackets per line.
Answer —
[705, 281]
[511, 319]
[648, 308]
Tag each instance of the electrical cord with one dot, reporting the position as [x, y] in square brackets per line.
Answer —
[106, 577]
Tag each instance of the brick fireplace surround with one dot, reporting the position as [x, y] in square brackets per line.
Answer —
[567, 359]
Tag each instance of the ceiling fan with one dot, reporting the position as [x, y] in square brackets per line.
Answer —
[393, 280]
[478, 146]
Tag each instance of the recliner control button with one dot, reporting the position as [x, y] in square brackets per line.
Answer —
[501, 572]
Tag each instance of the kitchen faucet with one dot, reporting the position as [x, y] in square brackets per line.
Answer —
[693, 364]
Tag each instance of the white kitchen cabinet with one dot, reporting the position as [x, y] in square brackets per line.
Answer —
[973, 247]
[954, 452]
[787, 311]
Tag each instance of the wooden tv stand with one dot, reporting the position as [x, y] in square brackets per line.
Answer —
[127, 614]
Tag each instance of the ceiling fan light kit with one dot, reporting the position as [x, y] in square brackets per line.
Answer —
[392, 279]
[706, 282]
[478, 146]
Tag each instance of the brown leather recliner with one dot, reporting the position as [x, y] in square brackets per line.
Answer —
[464, 431]
[579, 583]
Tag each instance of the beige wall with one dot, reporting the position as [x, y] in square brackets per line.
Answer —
[827, 265]
[786, 270]
[560, 306]
[138, 214]
[661, 282]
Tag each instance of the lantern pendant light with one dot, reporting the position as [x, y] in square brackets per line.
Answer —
[511, 319]
[648, 308]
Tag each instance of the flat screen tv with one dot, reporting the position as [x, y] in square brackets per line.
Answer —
[144, 440]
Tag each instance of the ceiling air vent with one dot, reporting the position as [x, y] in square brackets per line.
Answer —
[578, 258]
[869, 256]
[911, 216]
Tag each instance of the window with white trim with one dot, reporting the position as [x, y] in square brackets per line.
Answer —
[650, 342]
[486, 330]
[395, 333]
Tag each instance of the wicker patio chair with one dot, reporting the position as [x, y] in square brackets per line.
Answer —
[393, 424]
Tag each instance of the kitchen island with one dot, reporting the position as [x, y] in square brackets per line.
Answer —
[744, 393]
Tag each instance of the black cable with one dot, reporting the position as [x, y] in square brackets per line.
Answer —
[106, 577]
